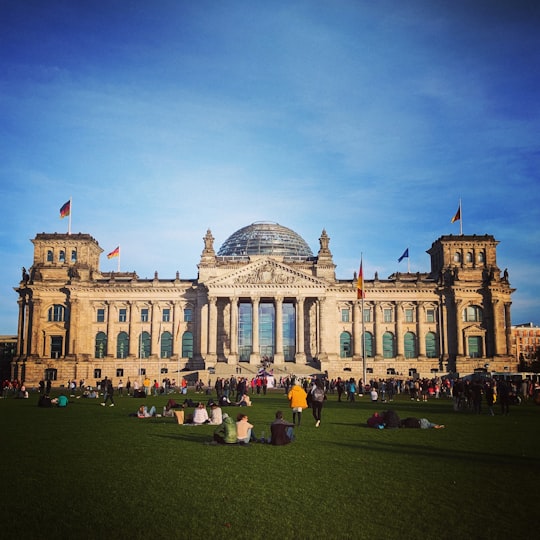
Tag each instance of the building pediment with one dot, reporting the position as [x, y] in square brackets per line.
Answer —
[265, 273]
[474, 330]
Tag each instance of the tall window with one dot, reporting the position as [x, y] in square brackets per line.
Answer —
[144, 345]
[289, 331]
[368, 344]
[122, 345]
[457, 256]
[73, 255]
[188, 315]
[101, 345]
[62, 256]
[56, 313]
[267, 326]
[345, 315]
[122, 315]
[100, 315]
[166, 315]
[472, 314]
[187, 345]
[409, 342]
[166, 345]
[367, 315]
[430, 315]
[475, 346]
[409, 315]
[432, 351]
[389, 345]
[144, 315]
[469, 257]
[50, 256]
[245, 331]
[387, 314]
[345, 349]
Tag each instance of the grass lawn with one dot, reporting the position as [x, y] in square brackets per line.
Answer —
[89, 472]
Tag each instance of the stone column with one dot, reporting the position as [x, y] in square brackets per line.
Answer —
[233, 331]
[421, 329]
[212, 328]
[279, 357]
[255, 356]
[323, 354]
[300, 357]
[399, 330]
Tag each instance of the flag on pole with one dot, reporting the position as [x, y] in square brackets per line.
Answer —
[457, 217]
[360, 293]
[404, 256]
[66, 209]
[114, 253]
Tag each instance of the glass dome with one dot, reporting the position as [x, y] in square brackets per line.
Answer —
[265, 238]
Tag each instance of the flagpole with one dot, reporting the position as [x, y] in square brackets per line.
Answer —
[460, 219]
[69, 217]
[364, 367]
[408, 264]
[118, 268]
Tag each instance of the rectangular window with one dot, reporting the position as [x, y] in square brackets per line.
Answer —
[344, 315]
[387, 314]
[409, 315]
[187, 315]
[122, 315]
[166, 315]
[430, 315]
[367, 315]
[144, 315]
[100, 315]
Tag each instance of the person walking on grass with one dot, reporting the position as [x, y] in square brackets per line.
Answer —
[297, 397]
[317, 399]
[108, 392]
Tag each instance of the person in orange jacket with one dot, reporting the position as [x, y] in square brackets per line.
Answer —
[297, 401]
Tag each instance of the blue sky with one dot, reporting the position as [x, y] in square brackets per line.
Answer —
[368, 119]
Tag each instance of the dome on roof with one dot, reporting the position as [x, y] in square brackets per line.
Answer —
[265, 238]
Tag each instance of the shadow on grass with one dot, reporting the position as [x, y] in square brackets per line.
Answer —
[450, 454]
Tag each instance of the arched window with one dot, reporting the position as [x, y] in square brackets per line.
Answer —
[73, 255]
[122, 345]
[166, 345]
[345, 345]
[368, 344]
[472, 314]
[187, 345]
[101, 345]
[389, 345]
[50, 256]
[57, 313]
[409, 343]
[144, 345]
[432, 350]
[469, 257]
[457, 256]
[481, 257]
[62, 256]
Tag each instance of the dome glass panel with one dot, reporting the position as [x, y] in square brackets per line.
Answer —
[265, 238]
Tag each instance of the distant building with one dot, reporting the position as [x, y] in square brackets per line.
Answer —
[526, 342]
[262, 296]
[8, 346]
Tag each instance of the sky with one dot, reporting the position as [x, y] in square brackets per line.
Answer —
[370, 120]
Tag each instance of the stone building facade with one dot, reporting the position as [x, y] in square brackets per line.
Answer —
[262, 296]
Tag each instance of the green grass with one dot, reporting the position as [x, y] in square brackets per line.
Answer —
[88, 471]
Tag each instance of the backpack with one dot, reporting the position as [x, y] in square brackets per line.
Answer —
[317, 394]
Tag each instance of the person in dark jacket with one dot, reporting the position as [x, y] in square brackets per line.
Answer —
[281, 431]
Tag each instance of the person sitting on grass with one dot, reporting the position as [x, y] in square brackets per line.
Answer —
[243, 429]
[200, 415]
[216, 414]
[281, 431]
[60, 401]
[244, 401]
[143, 412]
[226, 433]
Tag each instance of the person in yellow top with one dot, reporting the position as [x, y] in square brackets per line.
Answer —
[146, 385]
[297, 401]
